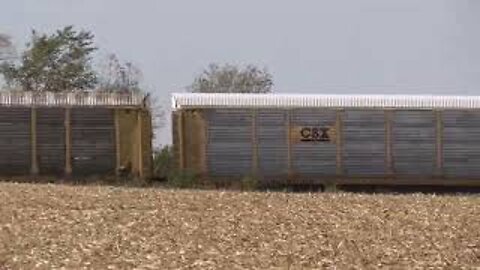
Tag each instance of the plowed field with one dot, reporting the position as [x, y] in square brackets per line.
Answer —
[52, 226]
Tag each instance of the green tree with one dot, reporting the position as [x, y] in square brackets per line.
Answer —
[233, 79]
[58, 62]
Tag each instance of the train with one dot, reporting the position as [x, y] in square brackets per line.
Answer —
[328, 140]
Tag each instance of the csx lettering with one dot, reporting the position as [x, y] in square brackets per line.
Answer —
[309, 134]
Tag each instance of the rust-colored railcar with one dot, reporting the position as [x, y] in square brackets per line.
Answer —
[74, 134]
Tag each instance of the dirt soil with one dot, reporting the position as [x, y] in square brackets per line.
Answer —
[53, 226]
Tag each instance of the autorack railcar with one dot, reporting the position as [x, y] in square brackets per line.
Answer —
[329, 139]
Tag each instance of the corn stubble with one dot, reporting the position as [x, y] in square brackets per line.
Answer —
[52, 226]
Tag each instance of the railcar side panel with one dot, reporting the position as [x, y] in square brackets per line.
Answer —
[313, 142]
[229, 143]
[413, 141]
[364, 143]
[461, 143]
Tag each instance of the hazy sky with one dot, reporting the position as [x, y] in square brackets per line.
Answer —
[317, 46]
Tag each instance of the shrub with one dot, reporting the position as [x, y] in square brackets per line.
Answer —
[164, 169]
[163, 162]
[249, 182]
[182, 179]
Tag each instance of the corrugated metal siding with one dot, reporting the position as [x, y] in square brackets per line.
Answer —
[229, 149]
[314, 158]
[364, 142]
[414, 138]
[15, 138]
[93, 141]
[51, 140]
[230, 143]
[272, 142]
[461, 143]
[218, 100]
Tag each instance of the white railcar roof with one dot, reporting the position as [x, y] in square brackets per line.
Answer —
[217, 100]
[50, 99]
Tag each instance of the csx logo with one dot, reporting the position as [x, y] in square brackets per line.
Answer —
[309, 134]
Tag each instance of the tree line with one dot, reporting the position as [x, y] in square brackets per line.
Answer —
[62, 62]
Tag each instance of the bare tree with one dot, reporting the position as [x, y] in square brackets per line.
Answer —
[117, 76]
[233, 79]
[124, 77]
[7, 49]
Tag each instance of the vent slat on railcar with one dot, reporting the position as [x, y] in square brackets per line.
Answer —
[461, 143]
[364, 142]
[313, 158]
[229, 146]
[93, 141]
[51, 140]
[413, 136]
[15, 144]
